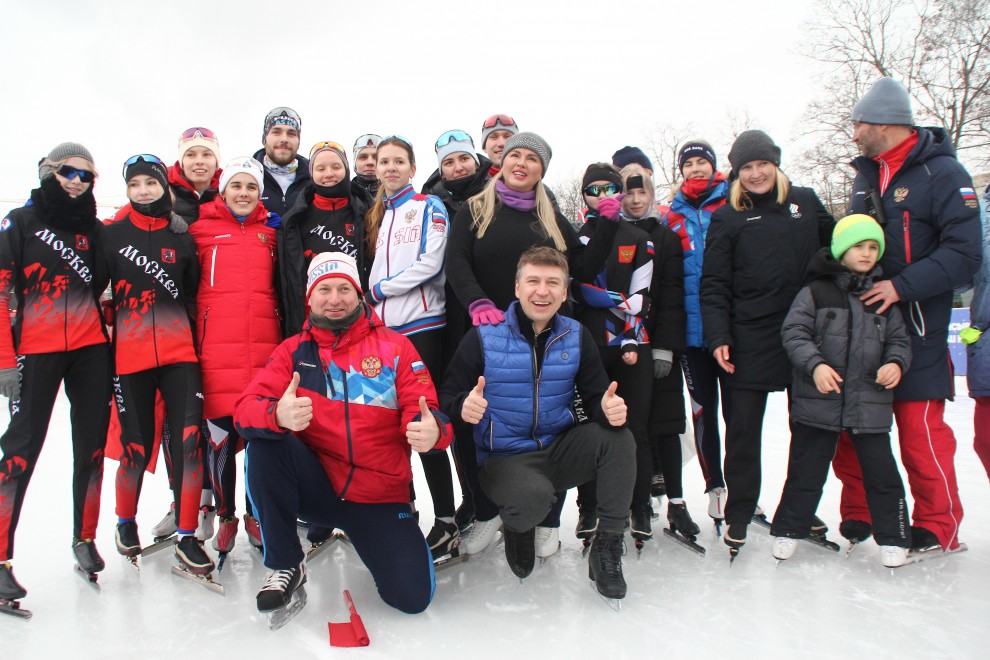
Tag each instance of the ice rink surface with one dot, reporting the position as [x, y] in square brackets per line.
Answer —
[817, 604]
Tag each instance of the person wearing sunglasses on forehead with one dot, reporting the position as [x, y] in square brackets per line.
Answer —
[513, 213]
[238, 323]
[328, 216]
[194, 179]
[406, 242]
[703, 189]
[365, 179]
[462, 173]
[286, 172]
[495, 132]
[48, 258]
[154, 275]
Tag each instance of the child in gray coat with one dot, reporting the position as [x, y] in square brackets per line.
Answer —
[847, 360]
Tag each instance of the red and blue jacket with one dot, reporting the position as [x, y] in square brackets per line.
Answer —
[365, 383]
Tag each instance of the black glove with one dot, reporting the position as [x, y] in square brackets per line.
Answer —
[663, 360]
[10, 383]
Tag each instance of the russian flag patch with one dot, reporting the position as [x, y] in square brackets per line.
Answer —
[969, 197]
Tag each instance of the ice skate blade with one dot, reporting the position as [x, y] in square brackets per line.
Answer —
[13, 608]
[449, 560]
[283, 615]
[686, 541]
[159, 545]
[89, 578]
[205, 580]
[614, 603]
[920, 555]
[762, 520]
[318, 549]
[341, 535]
[133, 562]
[222, 558]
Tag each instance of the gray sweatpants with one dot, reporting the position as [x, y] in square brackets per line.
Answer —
[523, 485]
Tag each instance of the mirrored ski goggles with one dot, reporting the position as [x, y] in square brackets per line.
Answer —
[320, 146]
[70, 172]
[494, 120]
[367, 140]
[190, 133]
[134, 160]
[455, 135]
[595, 190]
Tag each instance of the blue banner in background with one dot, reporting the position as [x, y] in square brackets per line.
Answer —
[957, 349]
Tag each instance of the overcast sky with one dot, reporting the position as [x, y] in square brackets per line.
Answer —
[127, 77]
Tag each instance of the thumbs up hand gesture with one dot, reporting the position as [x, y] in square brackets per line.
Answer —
[475, 404]
[613, 406]
[422, 435]
[294, 412]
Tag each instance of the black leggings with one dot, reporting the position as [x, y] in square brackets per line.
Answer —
[86, 375]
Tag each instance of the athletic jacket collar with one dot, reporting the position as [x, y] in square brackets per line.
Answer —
[401, 197]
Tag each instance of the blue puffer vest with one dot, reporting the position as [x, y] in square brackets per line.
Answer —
[526, 413]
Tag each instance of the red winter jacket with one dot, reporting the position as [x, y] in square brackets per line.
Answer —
[365, 385]
[237, 320]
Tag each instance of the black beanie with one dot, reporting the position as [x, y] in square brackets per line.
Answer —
[753, 145]
[152, 169]
[693, 149]
[601, 172]
[628, 155]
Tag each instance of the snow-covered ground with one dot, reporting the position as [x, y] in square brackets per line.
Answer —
[817, 604]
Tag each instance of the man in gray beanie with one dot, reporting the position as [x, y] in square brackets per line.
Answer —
[286, 172]
[909, 180]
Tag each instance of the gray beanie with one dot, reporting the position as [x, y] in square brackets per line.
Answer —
[753, 145]
[61, 152]
[534, 143]
[886, 102]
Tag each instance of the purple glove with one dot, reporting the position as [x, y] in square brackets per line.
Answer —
[484, 312]
[609, 207]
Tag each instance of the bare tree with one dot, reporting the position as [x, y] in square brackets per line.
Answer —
[939, 49]
[570, 199]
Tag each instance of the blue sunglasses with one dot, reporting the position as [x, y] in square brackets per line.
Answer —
[134, 160]
[455, 135]
[70, 172]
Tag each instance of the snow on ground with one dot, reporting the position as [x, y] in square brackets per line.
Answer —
[817, 604]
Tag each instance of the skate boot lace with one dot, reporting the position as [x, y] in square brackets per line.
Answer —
[278, 580]
[610, 557]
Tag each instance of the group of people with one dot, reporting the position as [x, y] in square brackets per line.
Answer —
[333, 321]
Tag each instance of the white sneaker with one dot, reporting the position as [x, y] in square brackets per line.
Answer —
[783, 547]
[547, 541]
[893, 556]
[482, 535]
[205, 529]
[716, 503]
[167, 525]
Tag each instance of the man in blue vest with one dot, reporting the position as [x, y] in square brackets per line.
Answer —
[515, 383]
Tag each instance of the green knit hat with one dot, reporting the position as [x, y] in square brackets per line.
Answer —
[851, 230]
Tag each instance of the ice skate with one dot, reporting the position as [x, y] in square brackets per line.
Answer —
[166, 527]
[11, 592]
[444, 541]
[893, 556]
[855, 531]
[760, 517]
[283, 596]
[783, 547]
[483, 535]
[225, 538]
[205, 580]
[520, 551]
[587, 525]
[818, 527]
[924, 540]
[547, 542]
[253, 529]
[735, 538]
[319, 545]
[189, 551]
[716, 508]
[205, 529]
[605, 564]
[682, 528]
[128, 543]
[916, 555]
[641, 526]
[658, 489]
[464, 516]
[88, 561]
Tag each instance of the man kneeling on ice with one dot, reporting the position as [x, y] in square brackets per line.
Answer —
[329, 424]
[515, 382]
